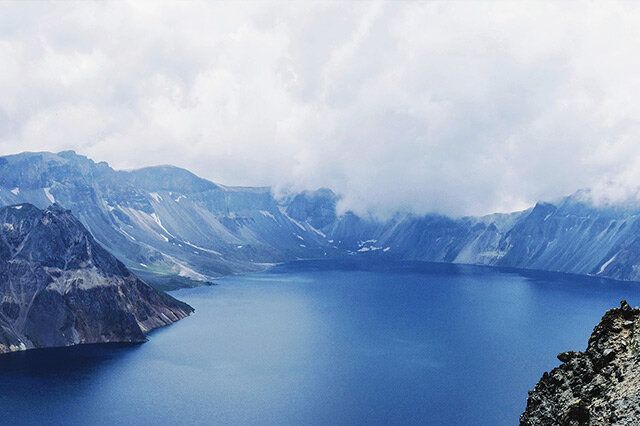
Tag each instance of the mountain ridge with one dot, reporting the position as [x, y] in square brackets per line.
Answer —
[177, 229]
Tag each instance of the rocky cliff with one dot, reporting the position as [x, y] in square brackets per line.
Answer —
[58, 287]
[599, 386]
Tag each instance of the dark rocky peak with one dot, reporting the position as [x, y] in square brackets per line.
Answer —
[59, 287]
[53, 238]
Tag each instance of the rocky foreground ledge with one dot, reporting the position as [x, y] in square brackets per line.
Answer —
[600, 386]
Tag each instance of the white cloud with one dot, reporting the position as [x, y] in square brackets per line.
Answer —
[452, 107]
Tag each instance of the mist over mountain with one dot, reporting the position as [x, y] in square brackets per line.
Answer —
[473, 107]
[177, 229]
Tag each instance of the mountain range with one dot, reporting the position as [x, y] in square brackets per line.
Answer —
[175, 229]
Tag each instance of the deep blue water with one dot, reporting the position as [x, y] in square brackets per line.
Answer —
[327, 343]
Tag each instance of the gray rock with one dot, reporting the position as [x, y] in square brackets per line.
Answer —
[566, 356]
[58, 287]
[599, 386]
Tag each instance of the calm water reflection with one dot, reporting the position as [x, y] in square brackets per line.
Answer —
[325, 342]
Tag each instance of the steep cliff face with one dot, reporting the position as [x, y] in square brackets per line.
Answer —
[58, 287]
[599, 386]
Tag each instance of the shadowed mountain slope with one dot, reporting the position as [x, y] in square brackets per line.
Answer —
[58, 287]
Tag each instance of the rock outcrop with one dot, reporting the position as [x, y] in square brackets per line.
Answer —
[599, 386]
[58, 287]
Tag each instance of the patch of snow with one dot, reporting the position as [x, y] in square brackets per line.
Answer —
[145, 221]
[239, 247]
[155, 196]
[267, 214]
[362, 243]
[9, 226]
[298, 224]
[371, 248]
[180, 197]
[302, 245]
[202, 249]
[299, 237]
[322, 234]
[143, 265]
[47, 192]
[15, 191]
[17, 207]
[157, 220]
[386, 249]
[607, 263]
[125, 233]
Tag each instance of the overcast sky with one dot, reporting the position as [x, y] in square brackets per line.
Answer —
[452, 107]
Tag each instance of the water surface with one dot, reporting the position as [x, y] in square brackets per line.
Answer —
[326, 343]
